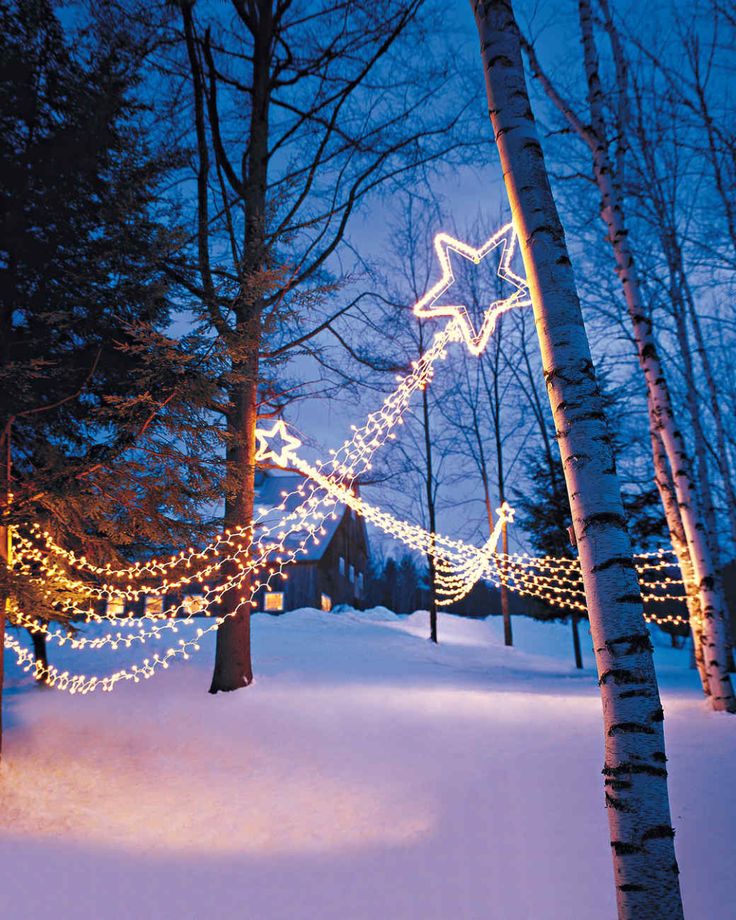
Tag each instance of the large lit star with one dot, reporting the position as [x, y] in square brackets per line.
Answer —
[427, 306]
[276, 445]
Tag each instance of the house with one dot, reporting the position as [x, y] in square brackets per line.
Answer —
[327, 573]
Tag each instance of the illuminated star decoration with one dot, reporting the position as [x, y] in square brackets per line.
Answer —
[276, 445]
[427, 307]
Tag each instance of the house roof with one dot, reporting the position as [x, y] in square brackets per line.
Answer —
[271, 506]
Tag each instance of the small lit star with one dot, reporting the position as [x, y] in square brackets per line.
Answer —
[276, 445]
[506, 513]
[427, 307]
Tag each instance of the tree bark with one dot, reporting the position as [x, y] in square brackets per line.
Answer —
[508, 636]
[635, 774]
[576, 641]
[661, 411]
[494, 399]
[667, 495]
[233, 667]
[5, 558]
[40, 652]
[724, 467]
[693, 397]
[431, 507]
[659, 403]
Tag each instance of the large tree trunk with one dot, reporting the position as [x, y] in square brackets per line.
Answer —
[233, 667]
[232, 657]
[661, 413]
[636, 777]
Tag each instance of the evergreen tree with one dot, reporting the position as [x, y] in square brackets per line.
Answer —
[102, 413]
[543, 509]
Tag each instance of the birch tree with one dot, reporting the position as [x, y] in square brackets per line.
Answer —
[661, 411]
[641, 831]
[659, 174]
[691, 112]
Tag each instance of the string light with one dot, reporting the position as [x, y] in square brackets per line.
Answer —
[260, 550]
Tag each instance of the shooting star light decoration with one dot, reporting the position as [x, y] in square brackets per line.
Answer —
[427, 307]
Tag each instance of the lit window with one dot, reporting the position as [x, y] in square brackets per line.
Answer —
[360, 583]
[326, 602]
[193, 604]
[154, 605]
[116, 607]
[273, 601]
[351, 575]
[341, 565]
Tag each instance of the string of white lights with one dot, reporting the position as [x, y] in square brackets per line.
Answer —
[266, 555]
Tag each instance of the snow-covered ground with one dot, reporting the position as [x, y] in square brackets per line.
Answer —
[366, 774]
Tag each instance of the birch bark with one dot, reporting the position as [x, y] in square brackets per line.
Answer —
[722, 459]
[659, 403]
[663, 198]
[694, 409]
[635, 773]
[661, 412]
[678, 540]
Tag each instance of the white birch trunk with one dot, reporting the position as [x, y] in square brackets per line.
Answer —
[693, 397]
[666, 490]
[635, 773]
[724, 467]
[661, 414]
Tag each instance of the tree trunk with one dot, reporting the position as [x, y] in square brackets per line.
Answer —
[659, 403]
[667, 495]
[726, 196]
[576, 641]
[40, 652]
[233, 668]
[508, 637]
[724, 467]
[636, 777]
[6, 555]
[693, 399]
[503, 564]
[431, 509]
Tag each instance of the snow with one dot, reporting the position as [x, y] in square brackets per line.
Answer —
[366, 774]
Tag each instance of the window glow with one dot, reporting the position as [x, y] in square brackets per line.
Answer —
[273, 601]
